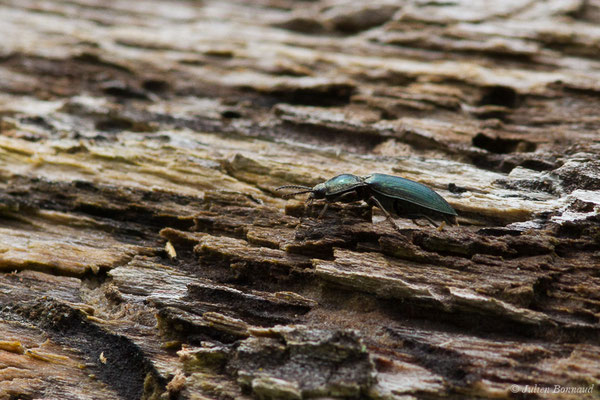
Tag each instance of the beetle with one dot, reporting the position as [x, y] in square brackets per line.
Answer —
[392, 194]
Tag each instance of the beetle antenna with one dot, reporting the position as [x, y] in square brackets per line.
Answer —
[293, 187]
[287, 196]
[305, 189]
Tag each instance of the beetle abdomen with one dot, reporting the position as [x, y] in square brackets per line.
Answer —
[408, 191]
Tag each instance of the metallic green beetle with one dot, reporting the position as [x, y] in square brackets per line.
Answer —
[392, 194]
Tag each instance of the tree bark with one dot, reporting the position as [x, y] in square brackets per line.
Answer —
[145, 253]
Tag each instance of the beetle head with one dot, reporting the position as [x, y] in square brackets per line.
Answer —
[319, 191]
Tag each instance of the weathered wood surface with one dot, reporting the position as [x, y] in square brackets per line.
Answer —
[144, 251]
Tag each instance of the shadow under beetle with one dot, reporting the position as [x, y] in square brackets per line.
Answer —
[392, 194]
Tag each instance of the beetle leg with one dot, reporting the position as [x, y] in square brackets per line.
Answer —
[415, 219]
[387, 214]
[347, 197]
[452, 220]
[308, 207]
[323, 211]
[309, 204]
[430, 220]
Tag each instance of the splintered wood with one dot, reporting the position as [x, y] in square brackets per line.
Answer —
[144, 251]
